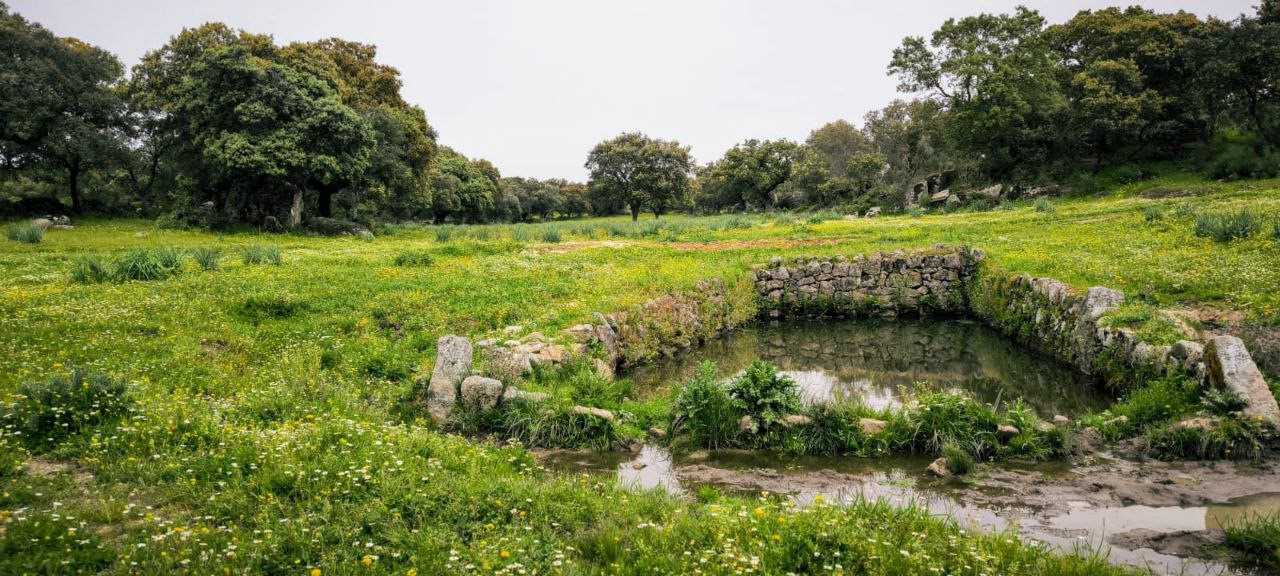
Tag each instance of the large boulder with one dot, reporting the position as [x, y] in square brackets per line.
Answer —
[1231, 367]
[453, 363]
[481, 392]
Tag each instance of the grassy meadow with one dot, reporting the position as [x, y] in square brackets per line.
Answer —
[267, 376]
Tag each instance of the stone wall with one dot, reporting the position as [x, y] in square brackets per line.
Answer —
[918, 282]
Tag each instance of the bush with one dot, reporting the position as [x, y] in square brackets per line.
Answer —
[944, 418]
[26, 233]
[48, 411]
[1258, 536]
[90, 269]
[146, 265]
[261, 254]
[1045, 205]
[704, 412]
[765, 395]
[414, 258]
[548, 425]
[1228, 226]
[1240, 162]
[207, 258]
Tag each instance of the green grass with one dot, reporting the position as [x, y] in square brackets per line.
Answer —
[1258, 537]
[271, 399]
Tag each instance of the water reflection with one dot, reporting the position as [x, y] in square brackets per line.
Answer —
[885, 362]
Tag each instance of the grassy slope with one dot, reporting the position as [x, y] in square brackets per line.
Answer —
[242, 428]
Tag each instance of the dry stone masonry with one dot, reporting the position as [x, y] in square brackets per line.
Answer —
[918, 282]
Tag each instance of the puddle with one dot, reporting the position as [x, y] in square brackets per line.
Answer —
[1051, 503]
[885, 363]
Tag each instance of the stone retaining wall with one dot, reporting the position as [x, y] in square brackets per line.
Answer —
[917, 282]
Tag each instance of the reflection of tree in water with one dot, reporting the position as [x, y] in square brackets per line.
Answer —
[883, 360]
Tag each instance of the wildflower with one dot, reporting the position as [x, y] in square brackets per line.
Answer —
[367, 560]
[315, 572]
[505, 554]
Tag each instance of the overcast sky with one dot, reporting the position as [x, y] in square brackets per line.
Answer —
[533, 85]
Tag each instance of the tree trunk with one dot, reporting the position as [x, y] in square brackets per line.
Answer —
[325, 207]
[73, 181]
[295, 211]
[635, 212]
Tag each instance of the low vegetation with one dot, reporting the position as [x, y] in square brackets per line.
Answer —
[1258, 537]
[27, 233]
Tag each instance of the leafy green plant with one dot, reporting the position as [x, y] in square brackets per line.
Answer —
[261, 254]
[208, 258]
[703, 411]
[551, 235]
[1153, 213]
[148, 264]
[1045, 205]
[259, 307]
[1226, 438]
[45, 543]
[91, 269]
[48, 411]
[1222, 401]
[409, 258]
[25, 232]
[1228, 226]
[765, 395]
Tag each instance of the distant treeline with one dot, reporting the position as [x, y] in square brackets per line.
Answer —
[222, 126]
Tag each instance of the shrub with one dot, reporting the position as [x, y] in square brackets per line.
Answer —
[26, 233]
[548, 425]
[943, 418]
[1240, 161]
[1045, 205]
[146, 265]
[261, 254]
[832, 429]
[764, 394]
[47, 411]
[414, 258]
[1222, 401]
[521, 233]
[551, 235]
[1228, 226]
[1258, 536]
[1158, 402]
[207, 258]
[90, 269]
[1152, 214]
[704, 412]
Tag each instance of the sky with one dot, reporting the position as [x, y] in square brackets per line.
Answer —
[533, 85]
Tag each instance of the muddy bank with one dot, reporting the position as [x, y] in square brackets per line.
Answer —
[1167, 516]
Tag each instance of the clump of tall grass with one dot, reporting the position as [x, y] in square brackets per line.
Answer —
[1228, 226]
[1152, 214]
[551, 235]
[703, 411]
[25, 232]
[148, 264]
[444, 233]
[261, 254]
[1225, 438]
[414, 258]
[521, 233]
[958, 460]
[91, 269]
[207, 258]
[1258, 536]
[1045, 205]
[47, 411]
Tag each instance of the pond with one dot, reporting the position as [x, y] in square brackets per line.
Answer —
[883, 363]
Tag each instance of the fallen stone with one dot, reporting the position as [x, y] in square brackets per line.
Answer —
[581, 333]
[512, 394]
[1045, 427]
[1187, 352]
[453, 363]
[871, 426]
[600, 413]
[939, 468]
[1231, 367]
[638, 465]
[746, 425]
[658, 433]
[603, 368]
[1118, 421]
[873, 211]
[797, 420]
[481, 392]
[1088, 440]
[1007, 432]
[1060, 419]
[1198, 423]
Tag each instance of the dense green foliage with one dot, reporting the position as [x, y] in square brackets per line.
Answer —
[1258, 537]
[47, 411]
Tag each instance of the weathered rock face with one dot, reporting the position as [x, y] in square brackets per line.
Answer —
[917, 282]
[1230, 366]
[332, 227]
[873, 211]
[511, 394]
[453, 363]
[871, 426]
[481, 392]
